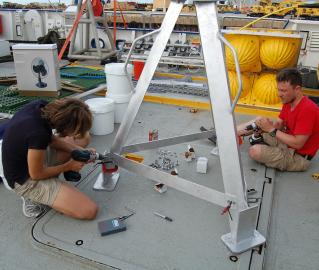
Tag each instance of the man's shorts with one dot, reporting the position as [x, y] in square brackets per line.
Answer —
[41, 191]
[280, 156]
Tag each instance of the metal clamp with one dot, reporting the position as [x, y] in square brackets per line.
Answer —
[240, 88]
[130, 54]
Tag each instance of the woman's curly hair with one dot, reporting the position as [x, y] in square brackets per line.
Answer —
[68, 116]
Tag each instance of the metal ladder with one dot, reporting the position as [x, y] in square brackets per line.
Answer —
[243, 235]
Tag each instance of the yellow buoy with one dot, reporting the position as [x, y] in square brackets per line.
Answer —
[278, 53]
[233, 84]
[247, 48]
[265, 89]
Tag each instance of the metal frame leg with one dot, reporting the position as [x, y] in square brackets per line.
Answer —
[243, 235]
[147, 74]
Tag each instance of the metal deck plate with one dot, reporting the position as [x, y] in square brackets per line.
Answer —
[191, 241]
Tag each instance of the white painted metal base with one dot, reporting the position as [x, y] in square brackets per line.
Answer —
[106, 181]
[247, 244]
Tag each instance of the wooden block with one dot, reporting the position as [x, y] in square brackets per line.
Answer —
[134, 157]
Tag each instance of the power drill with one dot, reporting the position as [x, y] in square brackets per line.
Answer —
[256, 138]
[83, 156]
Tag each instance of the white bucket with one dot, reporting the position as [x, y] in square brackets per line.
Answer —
[103, 115]
[116, 80]
[121, 102]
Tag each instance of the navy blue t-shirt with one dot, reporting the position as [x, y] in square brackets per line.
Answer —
[26, 130]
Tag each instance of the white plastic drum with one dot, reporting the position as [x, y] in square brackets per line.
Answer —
[116, 79]
[121, 104]
[103, 115]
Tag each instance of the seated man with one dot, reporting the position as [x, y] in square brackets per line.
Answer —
[33, 156]
[292, 141]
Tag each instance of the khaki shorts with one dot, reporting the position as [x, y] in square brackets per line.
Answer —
[278, 155]
[41, 191]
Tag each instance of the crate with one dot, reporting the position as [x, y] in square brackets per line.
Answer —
[161, 5]
[37, 69]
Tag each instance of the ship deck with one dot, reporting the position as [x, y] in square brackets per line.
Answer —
[288, 213]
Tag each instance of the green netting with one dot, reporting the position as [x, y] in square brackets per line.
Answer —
[8, 103]
[81, 72]
[87, 83]
[3, 86]
[11, 102]
[8, 93]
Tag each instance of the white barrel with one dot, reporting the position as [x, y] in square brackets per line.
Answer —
[121, 102]
[103, 115]
[116, 80]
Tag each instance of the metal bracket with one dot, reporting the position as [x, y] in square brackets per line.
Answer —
[106, 181]
[243, 238]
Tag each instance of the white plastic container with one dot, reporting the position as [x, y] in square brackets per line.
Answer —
[120, 103]
[116, 80]
[4, 48]
[201, 165]
[103, 115]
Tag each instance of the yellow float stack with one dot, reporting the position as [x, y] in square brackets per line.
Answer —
[260, 54]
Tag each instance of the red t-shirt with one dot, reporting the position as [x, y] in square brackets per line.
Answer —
[303, 120]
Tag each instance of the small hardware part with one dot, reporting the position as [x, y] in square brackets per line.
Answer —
[190, 154]
[213, 138]
[215, 151]
[160, 187]
[193, 110]
[167, 160]
[174, 172]
[153, 135]
[202, 165]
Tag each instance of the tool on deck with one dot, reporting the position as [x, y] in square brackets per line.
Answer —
[110, 226]
[213, 138]
[162, 216]
[114, 225]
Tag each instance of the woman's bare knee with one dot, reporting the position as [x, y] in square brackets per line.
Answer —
[88, 212]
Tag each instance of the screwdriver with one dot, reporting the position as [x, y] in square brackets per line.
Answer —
[162, 216]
